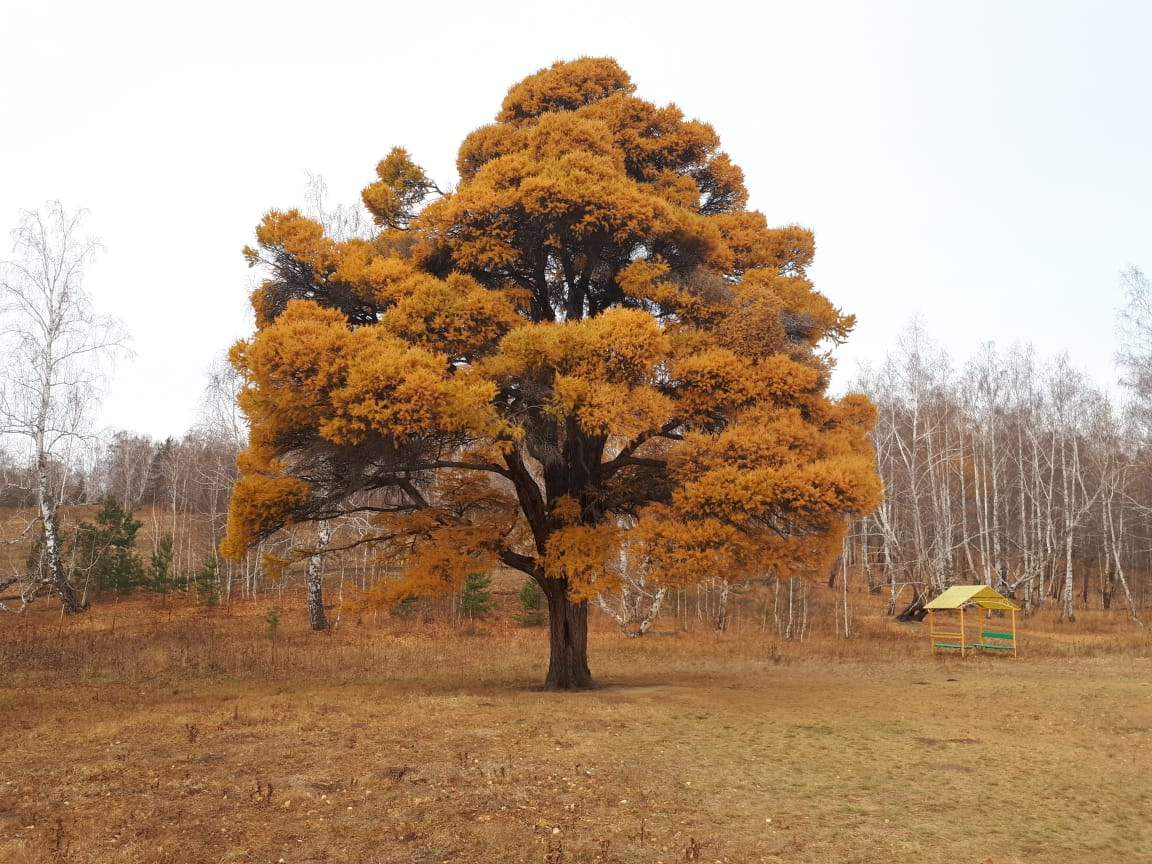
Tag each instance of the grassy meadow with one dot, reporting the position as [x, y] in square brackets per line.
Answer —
[143, 732]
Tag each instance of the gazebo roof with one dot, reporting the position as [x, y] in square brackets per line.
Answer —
[980, 595]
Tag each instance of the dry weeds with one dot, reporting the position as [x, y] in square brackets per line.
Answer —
[136, 734]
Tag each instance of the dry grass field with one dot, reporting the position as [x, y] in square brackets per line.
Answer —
[138, 733]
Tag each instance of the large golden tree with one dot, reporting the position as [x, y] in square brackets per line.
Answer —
[589, 343]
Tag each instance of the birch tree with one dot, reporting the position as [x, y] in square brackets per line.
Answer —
[636, 603]
[1068, 405]
[54, 347]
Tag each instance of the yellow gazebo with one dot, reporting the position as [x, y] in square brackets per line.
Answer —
[960, 596]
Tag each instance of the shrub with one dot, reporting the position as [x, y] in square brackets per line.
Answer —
[531, 605]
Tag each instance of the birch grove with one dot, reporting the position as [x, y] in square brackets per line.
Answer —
[1022, 476]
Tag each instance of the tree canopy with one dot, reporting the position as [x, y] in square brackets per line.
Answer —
[588, 343]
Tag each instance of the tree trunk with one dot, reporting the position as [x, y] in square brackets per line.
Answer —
[634, 620]
[57, 578]
[568, 639]
[316, 577]
[1067, 606]
[721, 623]
[1111, 539]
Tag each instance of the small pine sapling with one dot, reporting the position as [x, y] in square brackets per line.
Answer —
[106, 549]
[208, 581]
[159, 578]
[531, 612]
[272, 626]
[476, 598]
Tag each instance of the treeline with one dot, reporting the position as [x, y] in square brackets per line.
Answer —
[193, 473]
[178, 487]
[1008, 471]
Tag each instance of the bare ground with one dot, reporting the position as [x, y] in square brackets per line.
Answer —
[138, 734]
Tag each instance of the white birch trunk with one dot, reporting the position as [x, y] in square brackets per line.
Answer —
[316, 577]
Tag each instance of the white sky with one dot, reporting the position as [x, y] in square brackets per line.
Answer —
[986, 165]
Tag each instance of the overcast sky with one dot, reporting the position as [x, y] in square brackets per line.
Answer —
[984, 165]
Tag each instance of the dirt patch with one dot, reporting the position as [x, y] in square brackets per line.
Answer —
[193, 739]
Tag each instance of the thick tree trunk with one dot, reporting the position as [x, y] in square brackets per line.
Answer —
[568, 639]
[316, 577]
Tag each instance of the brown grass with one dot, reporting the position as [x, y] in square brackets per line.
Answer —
[145, 734]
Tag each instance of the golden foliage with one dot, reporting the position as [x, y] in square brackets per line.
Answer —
[309, 373]
[402, 186]
[564, 86]
[588, 344]
[260, 504]
[454, 316]
[584, 556]
[300, 237]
